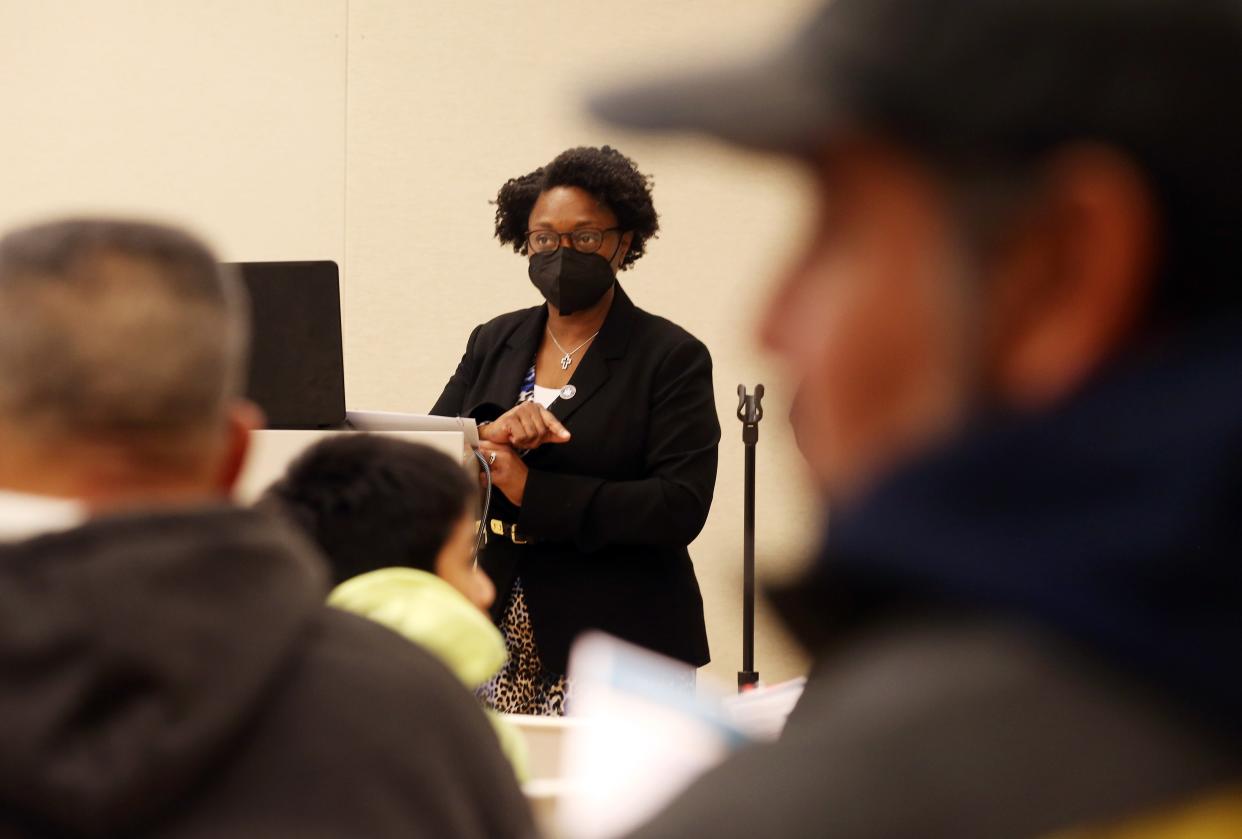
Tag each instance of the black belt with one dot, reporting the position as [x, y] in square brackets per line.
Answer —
[507, 531]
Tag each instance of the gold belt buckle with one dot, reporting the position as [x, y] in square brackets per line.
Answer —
[498, 527]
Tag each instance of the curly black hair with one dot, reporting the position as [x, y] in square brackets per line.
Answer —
[605, 173]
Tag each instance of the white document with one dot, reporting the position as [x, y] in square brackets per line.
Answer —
[643, 737]
[390, 421]
[762, 711]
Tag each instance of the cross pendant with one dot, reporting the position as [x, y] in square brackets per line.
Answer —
[566, 361]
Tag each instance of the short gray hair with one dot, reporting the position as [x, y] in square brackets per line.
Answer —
[117, 330]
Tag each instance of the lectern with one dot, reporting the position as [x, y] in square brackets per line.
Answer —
[297, 372]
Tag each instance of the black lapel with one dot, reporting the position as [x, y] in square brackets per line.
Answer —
[588, 377]
[593, 370]
[515, 359]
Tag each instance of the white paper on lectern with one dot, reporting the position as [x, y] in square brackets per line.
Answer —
[392, 421]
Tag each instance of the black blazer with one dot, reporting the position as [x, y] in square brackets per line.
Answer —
[609, 513]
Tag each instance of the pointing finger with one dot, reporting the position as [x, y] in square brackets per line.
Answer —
[558, 433]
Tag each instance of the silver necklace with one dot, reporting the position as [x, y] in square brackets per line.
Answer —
[568, 357]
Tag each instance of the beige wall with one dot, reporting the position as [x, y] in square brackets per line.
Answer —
[226, 114]
[374, 132]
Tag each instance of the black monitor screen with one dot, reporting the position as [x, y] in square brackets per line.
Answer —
[297, 371]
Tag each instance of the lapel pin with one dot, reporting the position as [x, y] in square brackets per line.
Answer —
[569, 392]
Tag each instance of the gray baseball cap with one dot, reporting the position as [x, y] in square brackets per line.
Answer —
[974, 77]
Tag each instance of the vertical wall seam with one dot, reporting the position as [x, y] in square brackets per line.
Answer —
[344, 267]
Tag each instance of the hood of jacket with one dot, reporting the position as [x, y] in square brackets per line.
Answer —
[431, 613]
[1113, 520]
[133, 650]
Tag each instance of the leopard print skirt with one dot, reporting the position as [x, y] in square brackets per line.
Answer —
[524, 685]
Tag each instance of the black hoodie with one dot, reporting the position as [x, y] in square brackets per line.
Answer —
[178, 675]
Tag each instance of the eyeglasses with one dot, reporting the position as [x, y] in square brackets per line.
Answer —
[585, 240]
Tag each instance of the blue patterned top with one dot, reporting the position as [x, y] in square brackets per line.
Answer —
[527, 393]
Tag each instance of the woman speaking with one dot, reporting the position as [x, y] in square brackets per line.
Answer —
[601, 432]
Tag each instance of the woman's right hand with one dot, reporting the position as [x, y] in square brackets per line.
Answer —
[526, 426]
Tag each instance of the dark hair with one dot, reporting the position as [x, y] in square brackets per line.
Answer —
[604, 172]
[373, 502]
[121, 330]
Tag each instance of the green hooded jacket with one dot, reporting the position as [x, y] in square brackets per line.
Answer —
[434, 615]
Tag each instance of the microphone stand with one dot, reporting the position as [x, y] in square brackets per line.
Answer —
[750, 412]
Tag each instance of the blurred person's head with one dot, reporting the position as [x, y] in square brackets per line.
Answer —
[373, 502]
[122, 356]
[1011, 196]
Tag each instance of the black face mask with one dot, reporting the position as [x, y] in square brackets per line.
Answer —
[569, 280]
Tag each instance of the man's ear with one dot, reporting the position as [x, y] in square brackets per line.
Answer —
[1073, 279]
[243, 418]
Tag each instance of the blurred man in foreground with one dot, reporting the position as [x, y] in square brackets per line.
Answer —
[1018, 332]
[167, 664]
